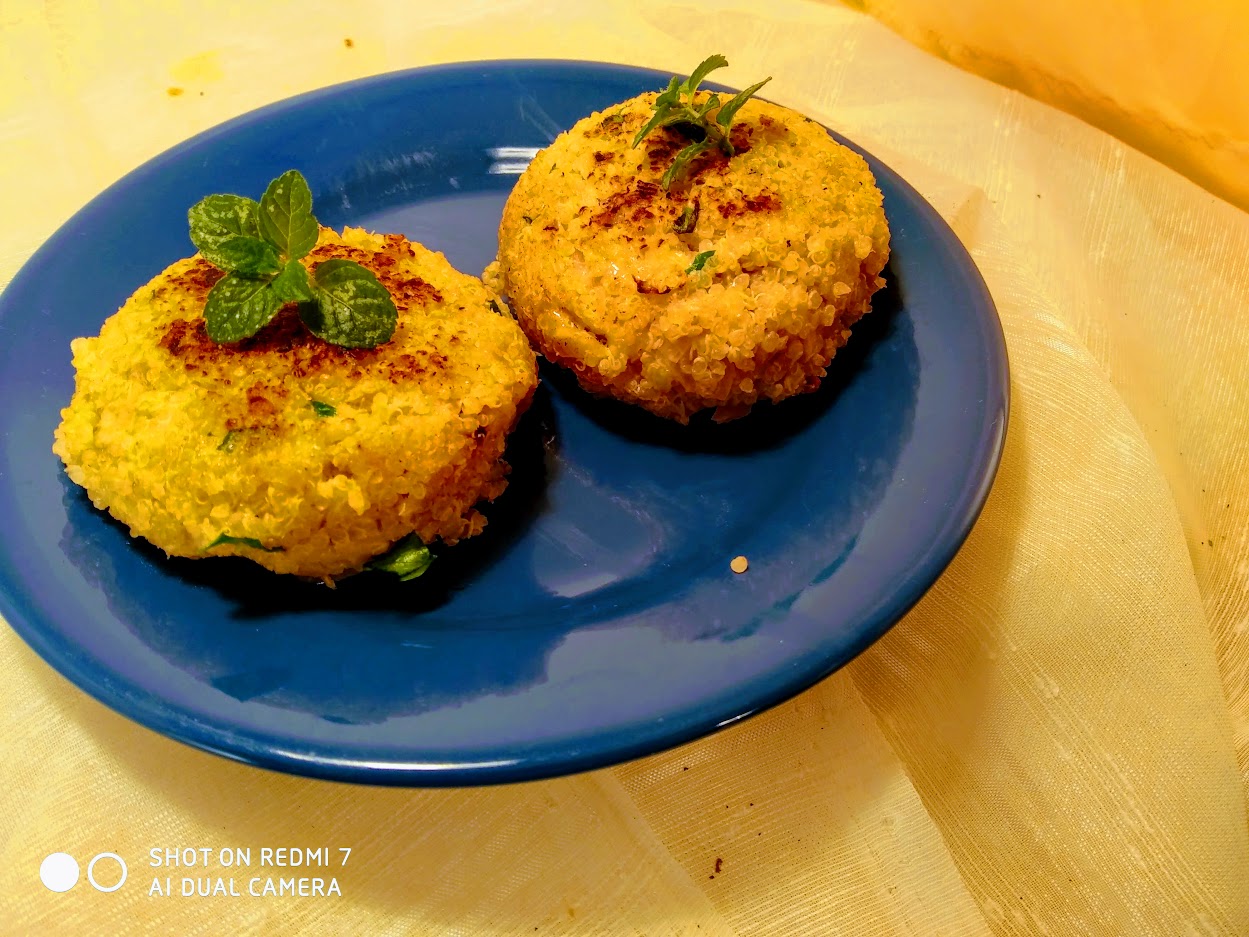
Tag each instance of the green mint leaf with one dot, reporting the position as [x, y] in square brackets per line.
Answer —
[699, 261]
[291, 284]
[228, 441]
[323, 409]
[238, 307]
[351, 307]
[671, 95]
[687, 123]
[682, 159]
[407, 559]
[219, 218]
[725, 117]
[247, 256]
[662, 113]
[227, 540]
[705, 67]
[688, 219]
[709, 105]
[286, 219]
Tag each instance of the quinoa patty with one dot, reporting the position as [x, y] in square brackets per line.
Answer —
[323, 455]
[596, 258]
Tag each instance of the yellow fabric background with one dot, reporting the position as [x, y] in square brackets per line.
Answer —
[1169, 77]
[1055, 741]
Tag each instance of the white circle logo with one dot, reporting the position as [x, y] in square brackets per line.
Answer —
[91, 872]
[59, 872]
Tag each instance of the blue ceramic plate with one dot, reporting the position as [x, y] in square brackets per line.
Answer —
[597, 619]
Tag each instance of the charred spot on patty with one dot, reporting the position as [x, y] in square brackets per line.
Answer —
[633, 199]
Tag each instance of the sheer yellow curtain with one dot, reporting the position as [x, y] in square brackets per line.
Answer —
[1168, 77]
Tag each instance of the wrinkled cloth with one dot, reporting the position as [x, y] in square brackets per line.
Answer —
[1054, 741]
[1166, 76]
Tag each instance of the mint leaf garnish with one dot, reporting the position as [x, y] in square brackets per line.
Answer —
[351, 307]
[247, 256]
[663, 110]
[286, 218]
[682, 160]
[219, 218]
[407, 559]
[699, 261]
[695, 120]
[709, 105]
[725, 117]
[239, 307]
[227, 540]
[291, 284]
[259, 245]
[705, 68]
[324, 409]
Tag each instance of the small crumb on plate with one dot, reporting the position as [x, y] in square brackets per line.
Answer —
[739, 564]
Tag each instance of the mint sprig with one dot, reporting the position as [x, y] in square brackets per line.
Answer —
[407, 559]
[707, 124]
[260, 246]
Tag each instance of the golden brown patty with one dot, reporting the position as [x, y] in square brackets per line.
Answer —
[598, 274]
[183, 440]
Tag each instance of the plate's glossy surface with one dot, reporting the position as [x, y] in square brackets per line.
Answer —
[597, 619]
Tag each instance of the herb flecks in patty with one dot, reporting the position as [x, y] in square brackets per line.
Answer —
[225, 540]
[407, 559]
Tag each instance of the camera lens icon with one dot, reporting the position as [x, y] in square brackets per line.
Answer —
[59, 872]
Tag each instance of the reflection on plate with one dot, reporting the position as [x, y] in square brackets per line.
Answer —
[596, 619]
